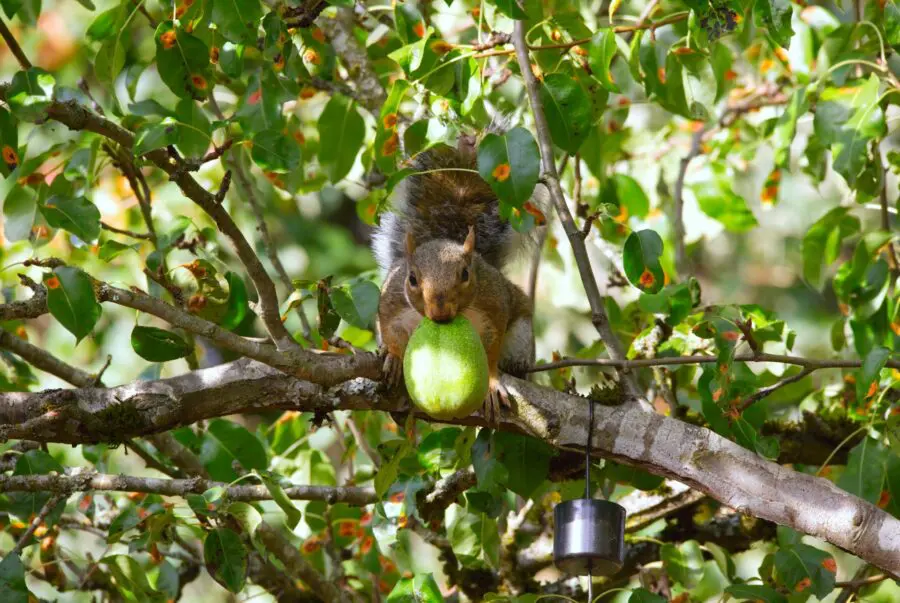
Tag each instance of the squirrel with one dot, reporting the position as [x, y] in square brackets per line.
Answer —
[441, 249]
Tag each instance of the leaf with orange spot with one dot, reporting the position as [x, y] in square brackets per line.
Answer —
[641, 260]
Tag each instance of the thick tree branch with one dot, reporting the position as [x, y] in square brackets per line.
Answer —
[551, 177]
[87, 481]
[692, 455]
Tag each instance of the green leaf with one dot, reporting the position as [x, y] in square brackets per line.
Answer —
[601, 53]
[755, 592]
[389, 470]
[699, 83]
[526, 459]
[183, 62]
[356, 303]
[237, 19]
[158, 345]
[342, 131]
[274, 151]
[421, 588]
[226, 559]
[387, 140]
[110, 59]
[152, 136]
[19, 212]
[870, 370]
[684, 562]
[510, 8]
[786, 127]
[238, 302]
[130, 578]
[25, 504]
[510, 164]
[643, 250]
[76, 215]
[848, 119]
[30, 93]
[292, 513]
[246, 515]
[12, 580]
[721, 203]
[111, 249]
[822, 242]
[774, 15]
[107, 24]
[475, 538]
[71, 300]
[568, 111]
[864, 475]
[642, 595]
[240, 444]
[803, 569]
[193, 129]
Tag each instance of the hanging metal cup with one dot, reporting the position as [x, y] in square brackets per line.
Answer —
[589, 537]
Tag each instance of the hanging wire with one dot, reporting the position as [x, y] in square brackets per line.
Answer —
[587, 487]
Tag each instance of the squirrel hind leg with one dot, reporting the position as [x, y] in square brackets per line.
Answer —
[518, 353]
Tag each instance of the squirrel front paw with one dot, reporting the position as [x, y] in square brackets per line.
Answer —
[392, 370]
[497, 396]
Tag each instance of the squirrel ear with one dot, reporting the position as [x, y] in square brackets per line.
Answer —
[410, 244]
[469, 245]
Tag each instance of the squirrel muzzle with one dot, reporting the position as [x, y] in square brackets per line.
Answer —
[439, 309]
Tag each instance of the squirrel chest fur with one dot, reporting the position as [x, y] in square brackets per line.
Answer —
[442, 249]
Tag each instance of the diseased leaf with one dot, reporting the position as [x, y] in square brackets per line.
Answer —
[510, 164]
[568, 111]
[71, 300]
[226, 558]
[641, 259]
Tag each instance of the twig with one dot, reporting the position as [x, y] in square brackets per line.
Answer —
[223, 187]
[746, 327]
[678, 206]
[150, 461]
[767, 391]
[46, 361]
[79, 117]
[296, 565]
[128, 233]
[36, 522]
[98, 378]
[812, 363]
[87, 480]
[236, 165]
[551, 177]
[363, 443]
[176, 452]
[14, 46]
[652, 26]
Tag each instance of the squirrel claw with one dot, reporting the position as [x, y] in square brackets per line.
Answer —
[392, 370]
[497, 396]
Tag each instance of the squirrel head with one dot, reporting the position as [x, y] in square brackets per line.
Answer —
[440, 279]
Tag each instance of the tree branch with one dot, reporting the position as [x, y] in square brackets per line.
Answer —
[811, 363]
[14, 45]
[692, 455]
[355, 58]
[551, 177]
[333, 368]
[88, 481]
[78, 117]
[296, 565]
[46, 361]
[35, 523]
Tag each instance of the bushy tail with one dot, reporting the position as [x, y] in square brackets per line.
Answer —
[441, 200]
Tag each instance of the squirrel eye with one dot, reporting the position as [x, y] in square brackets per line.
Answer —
[412, 280]
[464, 277]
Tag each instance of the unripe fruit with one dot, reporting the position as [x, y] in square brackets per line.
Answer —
[445, 368]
